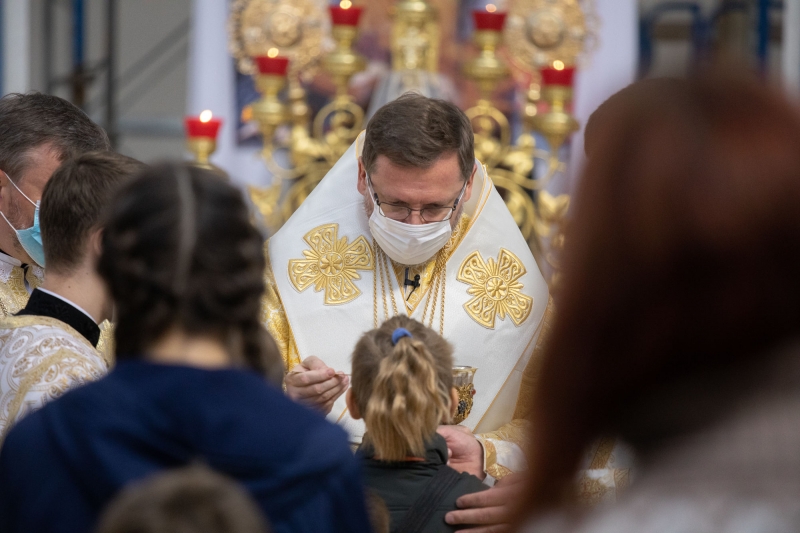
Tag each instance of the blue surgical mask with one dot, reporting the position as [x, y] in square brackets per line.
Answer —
[30, 238]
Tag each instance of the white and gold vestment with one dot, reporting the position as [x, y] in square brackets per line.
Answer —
[40, 359]
[16, 284]
[328, 283]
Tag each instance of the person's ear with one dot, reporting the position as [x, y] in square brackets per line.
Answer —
[355, 414]
[4, 182]
[468, 190]
[453, 401]
[362, 177]
[95, 245]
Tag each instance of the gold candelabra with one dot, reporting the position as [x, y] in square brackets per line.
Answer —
[548, 36]
[510, 164]
[311, 148]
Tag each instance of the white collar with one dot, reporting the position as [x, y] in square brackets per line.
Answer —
[70, 302]
[11, 260]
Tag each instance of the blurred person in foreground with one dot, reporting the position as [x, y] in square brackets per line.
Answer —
[681, 275]
[185, 269]
[37, 133]
[51, 344]
[194, 499]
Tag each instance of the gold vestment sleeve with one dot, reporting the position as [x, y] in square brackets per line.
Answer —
[273, 316]
[13, 294]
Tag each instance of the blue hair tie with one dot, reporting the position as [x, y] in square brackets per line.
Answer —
[398, 334]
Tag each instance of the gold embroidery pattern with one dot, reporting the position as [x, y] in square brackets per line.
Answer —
[331, 264]
[40, 359]
[273, 316]
[490, 464]
[13, 294]
[496, 288]
[516, 431]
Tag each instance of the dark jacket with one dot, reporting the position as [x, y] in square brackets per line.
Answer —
[400, 483]
[61, 465]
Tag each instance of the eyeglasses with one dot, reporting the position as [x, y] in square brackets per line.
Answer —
[428, 214]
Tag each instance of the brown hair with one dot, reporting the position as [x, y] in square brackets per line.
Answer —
[415, 131]
[403, 389]
[179, 251]
[194, 499]
[682, 258]
[73, 202]
[28, 121]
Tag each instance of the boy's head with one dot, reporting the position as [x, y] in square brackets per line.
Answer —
[402, 386]
[72, 207]
[194, 499]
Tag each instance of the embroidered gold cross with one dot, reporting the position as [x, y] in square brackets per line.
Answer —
[331, 264]
[496, 288]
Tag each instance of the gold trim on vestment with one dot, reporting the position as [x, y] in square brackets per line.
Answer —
[515, 431]
[14, 295]
[605, 446]
[490, 464]
[274, 317]
[32, 376]
[14, 322]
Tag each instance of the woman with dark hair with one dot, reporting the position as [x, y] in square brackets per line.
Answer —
[678, 324]
[185, 268]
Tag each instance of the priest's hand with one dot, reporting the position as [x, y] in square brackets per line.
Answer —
[316, 384]
[466, 453]
[490, 510]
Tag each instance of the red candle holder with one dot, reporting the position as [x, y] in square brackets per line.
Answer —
[553, 76]
[348, 16]
[485, 20]
[272, 66]
[196, 127]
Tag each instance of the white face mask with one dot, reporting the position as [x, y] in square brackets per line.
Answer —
[408, 244]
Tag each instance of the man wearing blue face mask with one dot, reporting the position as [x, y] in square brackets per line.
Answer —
[408, 222]
[37, 133]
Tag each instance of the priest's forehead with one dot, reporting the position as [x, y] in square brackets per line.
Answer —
[438, 184]
[417, 131]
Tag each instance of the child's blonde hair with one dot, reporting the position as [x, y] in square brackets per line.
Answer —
[402, 388]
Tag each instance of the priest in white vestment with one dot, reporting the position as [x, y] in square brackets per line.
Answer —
[51, 345]
[408, 204]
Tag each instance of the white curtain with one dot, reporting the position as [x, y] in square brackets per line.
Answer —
[611, 67]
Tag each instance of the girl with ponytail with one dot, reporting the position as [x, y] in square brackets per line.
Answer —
[402, 386]
[185, 268]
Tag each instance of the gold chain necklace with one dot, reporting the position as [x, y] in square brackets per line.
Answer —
[436, 294]
[381, 269]
[438, 286]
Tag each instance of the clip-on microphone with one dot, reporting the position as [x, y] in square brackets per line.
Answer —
[413, 282]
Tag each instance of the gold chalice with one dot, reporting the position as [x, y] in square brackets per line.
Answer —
[462, 381]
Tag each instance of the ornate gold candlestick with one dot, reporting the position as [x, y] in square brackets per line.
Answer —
[201, 140]
[556, 124]
[269, 111]
[487, 69]
[343, 62]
